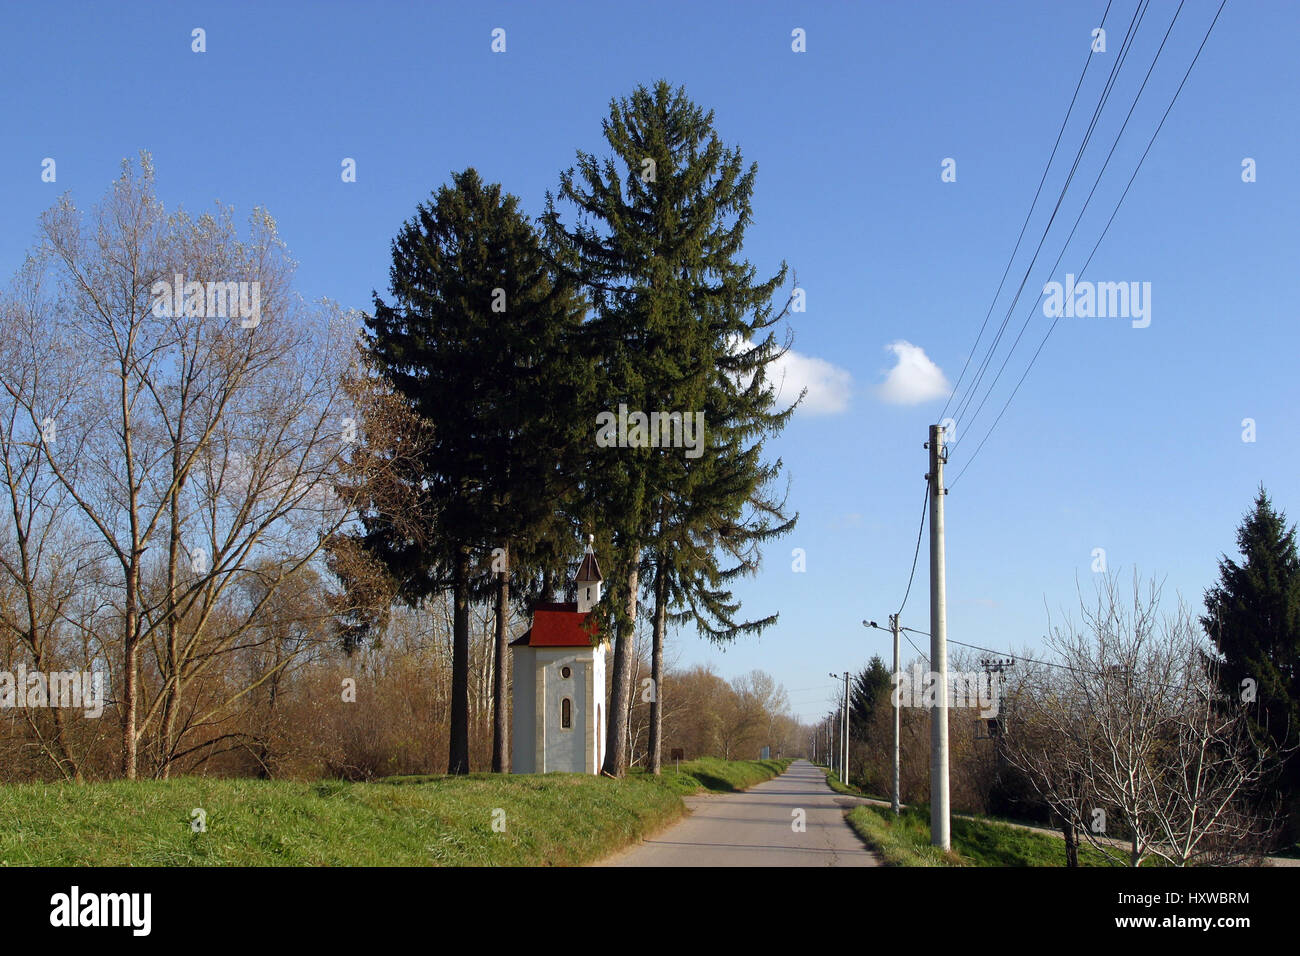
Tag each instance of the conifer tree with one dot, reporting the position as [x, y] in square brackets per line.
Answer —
[477, 336]
[681, 326]
[1253, 618]
[870, 690]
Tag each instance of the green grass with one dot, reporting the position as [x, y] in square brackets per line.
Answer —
[988, 843]
[905, 840]
[714, 775]
[551, 819]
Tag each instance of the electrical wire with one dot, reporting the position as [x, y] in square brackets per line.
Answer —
[1079, 218]
[1104, 231]
[1126, 46]
[1030, 660]
[1025, 225]
[924, 507]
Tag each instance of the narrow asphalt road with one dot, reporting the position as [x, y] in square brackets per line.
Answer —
[795, 819]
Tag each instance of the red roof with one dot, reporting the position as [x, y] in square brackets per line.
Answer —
[559, 628]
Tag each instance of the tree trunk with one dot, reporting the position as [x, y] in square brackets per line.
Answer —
[657, 666]
[130, 668]
[458, 747]
[64, 760]
[1071, 834]
[172, 702]
[620, 691]
[68, 763]
[166, 733]
[499, 760]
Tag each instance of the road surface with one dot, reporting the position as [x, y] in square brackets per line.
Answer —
[759, 828]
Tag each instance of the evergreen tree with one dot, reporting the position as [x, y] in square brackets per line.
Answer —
[1253, 618]
[869, 691]
[680, 326]
[477, 336]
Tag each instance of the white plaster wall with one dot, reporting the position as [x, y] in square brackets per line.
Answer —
[600, 712]
[523, 720]
[539, 743]
[565, 750]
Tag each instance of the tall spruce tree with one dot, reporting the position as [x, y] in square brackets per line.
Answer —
[870, 690]
[478, 336]
[1253, 617]
[681, 326]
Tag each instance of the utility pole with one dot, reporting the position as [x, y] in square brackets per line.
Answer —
[939, 821]
[845, 778]
[837, 746]
[895, 625]
[842, 753]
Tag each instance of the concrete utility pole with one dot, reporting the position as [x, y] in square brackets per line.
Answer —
[845, 778]
[843, 749]
[939, 821]
[895, 625]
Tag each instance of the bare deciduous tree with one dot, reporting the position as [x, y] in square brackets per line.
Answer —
[201, 422]
[1129, 742]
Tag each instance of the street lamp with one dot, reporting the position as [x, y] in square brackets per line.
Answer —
[894, 628]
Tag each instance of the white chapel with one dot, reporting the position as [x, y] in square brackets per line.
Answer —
[559, 684]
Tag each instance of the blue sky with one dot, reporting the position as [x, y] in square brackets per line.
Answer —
[1121, 438]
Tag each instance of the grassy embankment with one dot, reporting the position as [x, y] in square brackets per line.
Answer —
[905, 840]
[476, 820]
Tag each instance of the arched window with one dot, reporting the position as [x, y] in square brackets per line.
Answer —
[566, 713]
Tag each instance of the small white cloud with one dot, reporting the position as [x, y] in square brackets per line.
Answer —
[828, 386]
[914, 378]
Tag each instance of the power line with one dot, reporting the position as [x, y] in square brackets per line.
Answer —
[1105, 230]
[1079, 218]
[1125, 46]
[1030, 660]
[925, 657]
[916, 554]
[1023, 226]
